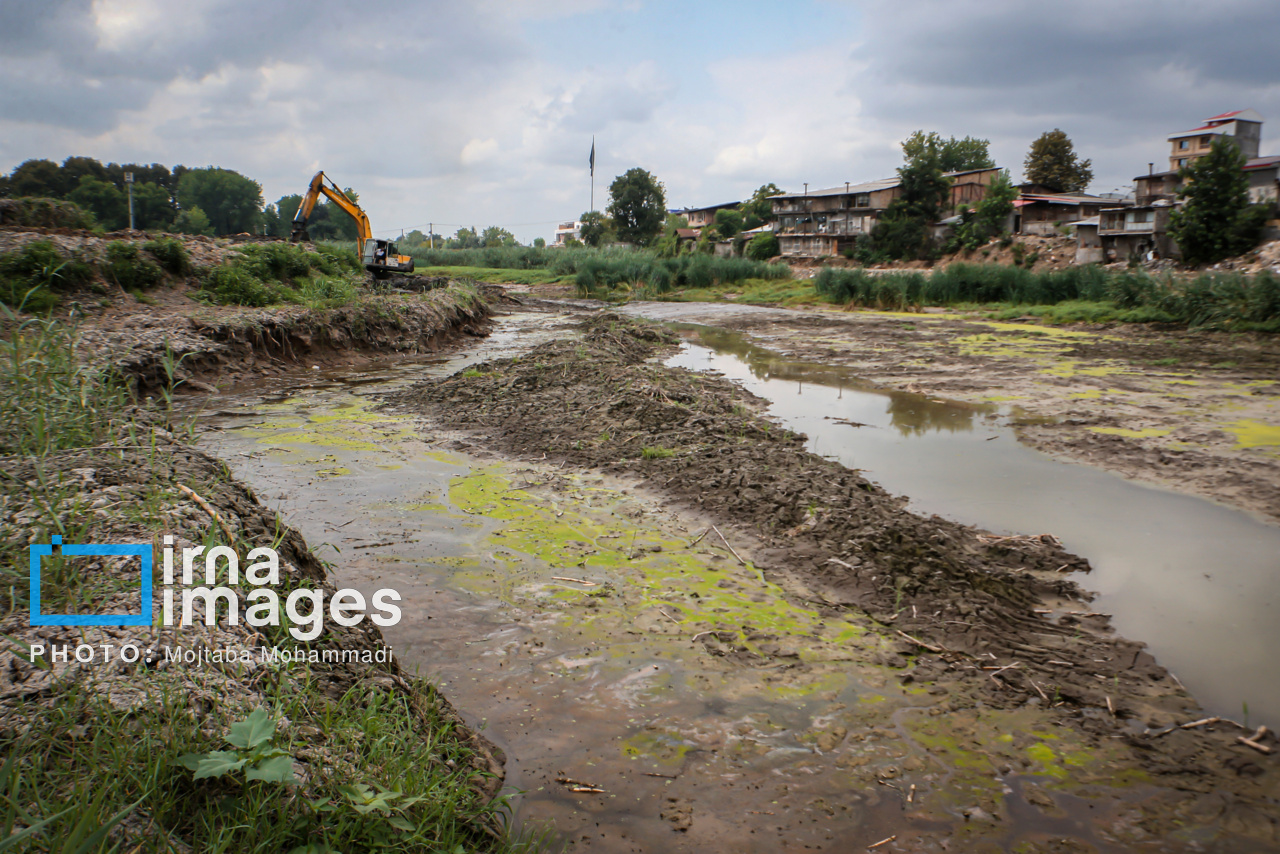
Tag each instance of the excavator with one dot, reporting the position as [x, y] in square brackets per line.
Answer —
[378, 256]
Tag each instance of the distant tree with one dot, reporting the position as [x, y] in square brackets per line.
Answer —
[103, 200]
[758, 209]
[193, 221]
[464, 238]
[728, 222]
[271, 221]
[5, 186]
[638, 206]
[1217, 221]
[953, 155]
[73, 169]
[496, 236]
[413, 239]
[154, 173]
[232, 202]
[539, 243]
[763, 247]
[595, 228]
[285, 208]
[152, 207]
[988, 218]
[1052, 162]
[329, 221]
[37, 178]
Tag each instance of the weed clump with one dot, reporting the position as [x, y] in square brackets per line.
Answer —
[126, 267]
[31, 278]
[171, 255]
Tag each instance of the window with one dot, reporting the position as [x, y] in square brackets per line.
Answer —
[1183, 145]
[862, 200]
[1182, 161]
[1204, 142]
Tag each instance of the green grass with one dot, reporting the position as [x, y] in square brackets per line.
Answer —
[1081, 311]
[656, 452]
[379, 768]
[498, 275]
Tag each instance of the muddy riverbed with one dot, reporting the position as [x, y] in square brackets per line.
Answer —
[659, 692]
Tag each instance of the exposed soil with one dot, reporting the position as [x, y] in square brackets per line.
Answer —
[988, 618]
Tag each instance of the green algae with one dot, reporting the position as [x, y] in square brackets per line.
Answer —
[1254, 434]
[1128, 433]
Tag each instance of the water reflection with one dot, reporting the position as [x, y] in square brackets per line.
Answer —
[1189, 577]
[910, 414]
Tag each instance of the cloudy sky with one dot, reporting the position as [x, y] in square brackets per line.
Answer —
[482, 113]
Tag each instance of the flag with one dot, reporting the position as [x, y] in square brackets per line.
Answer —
[592, 160]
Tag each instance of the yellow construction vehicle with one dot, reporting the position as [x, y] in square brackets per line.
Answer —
[378, 256]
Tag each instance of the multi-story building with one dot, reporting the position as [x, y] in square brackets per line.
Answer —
[1243, 127]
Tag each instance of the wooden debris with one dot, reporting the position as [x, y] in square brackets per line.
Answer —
[204, 505]
[911, 793]
[1252, 740]
[1110, 708]
[575, 580]
[922, 644]
[698, 538]
[882, 842]
[727, 546]
[1200, 723]
[579, 786]
[668, 616]
[661, 776]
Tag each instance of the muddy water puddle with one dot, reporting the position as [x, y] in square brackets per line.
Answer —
[1197, 581]
[569, 616]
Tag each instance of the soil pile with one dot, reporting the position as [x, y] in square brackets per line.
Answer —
[963, 594]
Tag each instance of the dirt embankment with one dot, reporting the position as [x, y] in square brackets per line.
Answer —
[990, 616]
[201, 345]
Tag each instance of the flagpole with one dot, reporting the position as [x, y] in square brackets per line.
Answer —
[593, 173]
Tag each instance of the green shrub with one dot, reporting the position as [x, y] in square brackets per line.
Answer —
[126, 268]
[31, 277]
[763, 247]
[171, 254]
[327, 291]
[230, 284]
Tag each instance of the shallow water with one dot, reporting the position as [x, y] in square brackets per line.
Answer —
[1199, 582]
[608, 689]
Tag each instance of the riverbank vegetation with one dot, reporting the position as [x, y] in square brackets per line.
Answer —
[118, 755]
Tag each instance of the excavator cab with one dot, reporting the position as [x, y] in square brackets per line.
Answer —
[381, 258]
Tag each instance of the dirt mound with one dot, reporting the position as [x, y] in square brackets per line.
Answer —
[960, 593]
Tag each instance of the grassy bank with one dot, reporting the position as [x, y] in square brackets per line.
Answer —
[40, 276]
[106, 755]
[1213, 300]
[603, 272]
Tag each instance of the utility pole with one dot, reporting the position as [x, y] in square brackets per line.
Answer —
[128, 180]
[431, 234]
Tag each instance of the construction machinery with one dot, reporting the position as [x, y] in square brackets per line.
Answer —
[378, 256]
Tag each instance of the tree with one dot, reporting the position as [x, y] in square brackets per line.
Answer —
[903, 230]
[728, 222]
[103, 200]
[539, 243]
[74, 169]
[464, 238]
[638, 206]
[1217, 220]
[953, 155]
[232, 202]
[989, 217]
[152, 207]
[37, 178]
[496, 236]
[763, 247]
[595, 228]
[1052, 162]
[193, 221]
[758, 210]
[284, 208]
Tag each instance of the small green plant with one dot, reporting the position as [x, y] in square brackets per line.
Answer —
[253, 753]
[228, 285]
[656, 452]
[171, 254]
[473, 373]
[127, 269]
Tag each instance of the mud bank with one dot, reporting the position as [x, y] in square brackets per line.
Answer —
[985, 623]
[204, 346]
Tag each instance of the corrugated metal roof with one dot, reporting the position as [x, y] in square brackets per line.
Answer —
[1262, 162]
[866, 187]
[1245, 115]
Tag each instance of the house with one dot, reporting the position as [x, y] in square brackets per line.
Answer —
[1243, 127]
[1088, 243]
[1138, 231]
[702, 217]
[1045, 213]
[567, 231]
[1264, 179]
[825, 222]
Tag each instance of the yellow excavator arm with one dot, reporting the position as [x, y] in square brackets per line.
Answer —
[378, 256]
